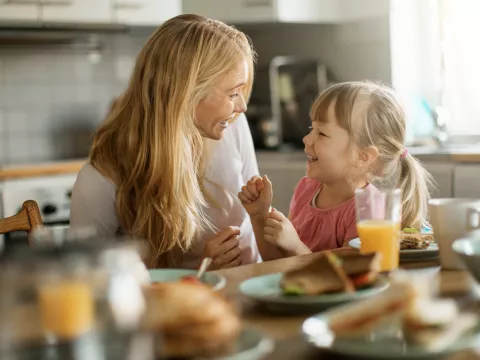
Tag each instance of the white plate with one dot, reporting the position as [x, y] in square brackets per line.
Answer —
[410, 254]
[380, 344]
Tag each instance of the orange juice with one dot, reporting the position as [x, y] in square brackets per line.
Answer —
[66, 308]
[381, 236]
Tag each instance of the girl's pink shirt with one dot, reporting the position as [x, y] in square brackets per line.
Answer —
[322, 229]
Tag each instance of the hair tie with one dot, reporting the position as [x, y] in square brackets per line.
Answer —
[404, 153]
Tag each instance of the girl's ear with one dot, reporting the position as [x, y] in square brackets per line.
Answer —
[367, 156]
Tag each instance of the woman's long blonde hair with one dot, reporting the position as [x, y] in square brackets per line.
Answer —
[149, 145]
[373, 116]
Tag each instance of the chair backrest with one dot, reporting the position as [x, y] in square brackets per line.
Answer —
[28, 219]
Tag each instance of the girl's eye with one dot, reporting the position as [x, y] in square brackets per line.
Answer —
[233, 96]
[321, 134]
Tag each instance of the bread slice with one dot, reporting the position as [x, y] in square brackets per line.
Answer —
[316, 278]
[359, 318]
[357, 264]
[410, 241]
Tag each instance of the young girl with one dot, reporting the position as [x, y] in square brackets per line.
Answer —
[357, 136]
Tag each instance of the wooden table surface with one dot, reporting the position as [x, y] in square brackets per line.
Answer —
[285, 329]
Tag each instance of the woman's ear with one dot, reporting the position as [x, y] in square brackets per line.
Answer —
[367, 156]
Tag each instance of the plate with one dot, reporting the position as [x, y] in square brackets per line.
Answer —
[170, 275]
[266, 290]
[406, 255]
[381, 344]
[252, 345]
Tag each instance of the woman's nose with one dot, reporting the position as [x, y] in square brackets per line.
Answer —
[240, 105]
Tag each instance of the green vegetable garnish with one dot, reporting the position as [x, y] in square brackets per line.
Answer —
[293, 290]
[410, 230]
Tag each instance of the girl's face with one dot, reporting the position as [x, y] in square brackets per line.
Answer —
[214, 112]
[328, 150]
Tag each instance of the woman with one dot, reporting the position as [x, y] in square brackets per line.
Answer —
[150, 174]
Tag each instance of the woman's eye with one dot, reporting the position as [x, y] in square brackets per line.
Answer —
[321, 134]
[233, 96]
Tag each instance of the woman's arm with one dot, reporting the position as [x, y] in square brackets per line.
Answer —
[267, 251]
[93, 203]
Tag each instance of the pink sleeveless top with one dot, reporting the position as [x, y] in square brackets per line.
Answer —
[321, 229]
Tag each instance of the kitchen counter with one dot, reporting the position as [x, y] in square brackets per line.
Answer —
[37, 170]
[427, 153]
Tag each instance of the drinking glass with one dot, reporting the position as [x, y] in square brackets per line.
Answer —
[379, 215]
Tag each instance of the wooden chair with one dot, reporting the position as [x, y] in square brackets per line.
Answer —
[28, 219]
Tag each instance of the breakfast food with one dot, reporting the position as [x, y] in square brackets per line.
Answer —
[191, 319]
[332, 273]
[431, 323]
[360, 318]
[411, 238]
[435, 324]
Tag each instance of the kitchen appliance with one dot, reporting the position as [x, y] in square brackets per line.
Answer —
[283, 93]
[52, 194]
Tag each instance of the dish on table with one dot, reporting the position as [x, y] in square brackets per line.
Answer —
[199, 323]
[215, 281]
[329, 280]
[406, 254]
[400, 323]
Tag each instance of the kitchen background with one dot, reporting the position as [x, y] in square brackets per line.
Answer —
[53, 96]
[63, 61]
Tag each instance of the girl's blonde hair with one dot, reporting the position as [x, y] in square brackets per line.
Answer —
[373, 116]
[149, 145]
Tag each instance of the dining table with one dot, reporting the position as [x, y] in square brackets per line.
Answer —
[285, 329]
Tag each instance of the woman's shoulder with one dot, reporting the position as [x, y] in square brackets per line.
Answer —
[91, 181]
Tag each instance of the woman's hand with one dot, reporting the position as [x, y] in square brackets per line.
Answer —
[256, 196]
[223, 249]
[280, 232]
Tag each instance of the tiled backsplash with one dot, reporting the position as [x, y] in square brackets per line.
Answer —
[52, 100]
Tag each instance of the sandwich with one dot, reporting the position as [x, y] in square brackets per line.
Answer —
[412, 239]
[435, 324]
[198, 323]
[431, 323]
[332, 273]
[361, 318]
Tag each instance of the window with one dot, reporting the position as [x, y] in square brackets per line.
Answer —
[460, 32]
[436, 53]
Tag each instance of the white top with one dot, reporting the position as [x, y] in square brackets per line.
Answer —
[231, 164]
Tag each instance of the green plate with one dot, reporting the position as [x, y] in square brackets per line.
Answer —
[381, 344]
[169, 275]
[252, 345]
[266, 289]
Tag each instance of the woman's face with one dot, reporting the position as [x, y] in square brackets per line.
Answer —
[214, 112]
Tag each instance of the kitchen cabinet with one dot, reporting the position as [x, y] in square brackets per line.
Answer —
[467, 181]
[81, 11]
[20, 10]
[313, 11]
[443, 174]
[145, 12]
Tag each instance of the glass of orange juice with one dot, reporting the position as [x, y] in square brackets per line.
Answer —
[379, 215]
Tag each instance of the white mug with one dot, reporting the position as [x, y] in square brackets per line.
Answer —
[452, 219]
